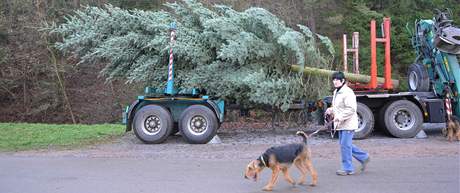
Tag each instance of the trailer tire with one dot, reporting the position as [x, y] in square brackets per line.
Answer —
[418, 79]
[403, 119]
[153, 124]
[198, 124]
[365, 122]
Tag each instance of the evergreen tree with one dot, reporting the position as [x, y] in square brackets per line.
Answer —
[243, 57]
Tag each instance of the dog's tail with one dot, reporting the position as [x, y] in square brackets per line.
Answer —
[453, 129]
[304, 136]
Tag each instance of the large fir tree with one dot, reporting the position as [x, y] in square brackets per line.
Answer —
[243, 57]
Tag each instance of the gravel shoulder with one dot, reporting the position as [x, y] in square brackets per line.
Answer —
[249, 143]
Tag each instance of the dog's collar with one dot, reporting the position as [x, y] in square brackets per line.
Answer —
[263, 160]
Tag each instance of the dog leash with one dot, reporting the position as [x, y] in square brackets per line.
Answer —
[321, 129]
[328, 121]
[311, 134]
[329, 125]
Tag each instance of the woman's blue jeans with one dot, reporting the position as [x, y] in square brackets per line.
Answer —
[348, 150]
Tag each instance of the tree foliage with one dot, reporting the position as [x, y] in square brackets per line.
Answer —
[243, 57]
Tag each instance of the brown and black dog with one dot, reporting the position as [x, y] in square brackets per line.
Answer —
[280, 158]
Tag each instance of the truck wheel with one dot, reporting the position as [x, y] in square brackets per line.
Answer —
[365, 122]
[403, 119]
[198, 124]
[418, 78]
[153, 124]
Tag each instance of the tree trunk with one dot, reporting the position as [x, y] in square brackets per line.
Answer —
[61, 82]
[350, 76]
[312, 22]
[76, 3]
[52, 58]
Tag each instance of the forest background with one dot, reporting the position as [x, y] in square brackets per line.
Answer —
[39, 84]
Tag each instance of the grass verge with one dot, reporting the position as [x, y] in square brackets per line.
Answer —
[28, 136]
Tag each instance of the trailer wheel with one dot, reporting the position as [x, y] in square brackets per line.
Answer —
[418, 78]
[365, 122]
[153, 124]
[403, 119]
[198, 124]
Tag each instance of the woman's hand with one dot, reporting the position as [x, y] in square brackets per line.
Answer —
[329, 111]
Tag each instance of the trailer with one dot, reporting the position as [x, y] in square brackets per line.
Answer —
[163, 112]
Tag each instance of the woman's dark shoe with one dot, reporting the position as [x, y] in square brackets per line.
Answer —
[344, 173]
[364, 164]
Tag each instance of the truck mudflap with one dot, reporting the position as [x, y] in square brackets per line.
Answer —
[219, 107]
[127, 115]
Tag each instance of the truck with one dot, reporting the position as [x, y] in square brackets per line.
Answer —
[431, 102]
[160, 113]
[433, 79]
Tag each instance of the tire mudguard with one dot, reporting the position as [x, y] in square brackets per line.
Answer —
[219, 108]
[128, 114]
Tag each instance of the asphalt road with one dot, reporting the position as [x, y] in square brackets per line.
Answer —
[67, 174]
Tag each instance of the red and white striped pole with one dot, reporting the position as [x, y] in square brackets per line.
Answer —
[448, 105]
[171, 56]
[170, 84]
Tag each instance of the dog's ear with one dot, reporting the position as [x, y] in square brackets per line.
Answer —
[255, 164]
[247, 170]
[252, 165]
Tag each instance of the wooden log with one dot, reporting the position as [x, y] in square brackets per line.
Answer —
[350, 76]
